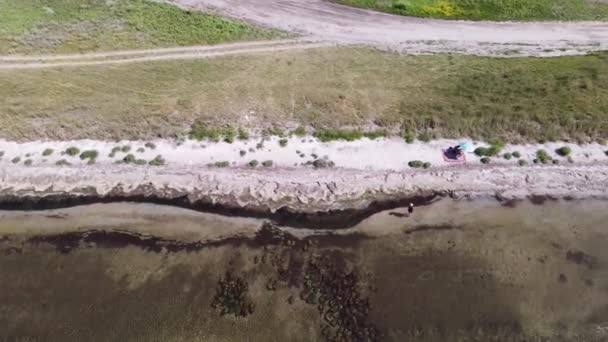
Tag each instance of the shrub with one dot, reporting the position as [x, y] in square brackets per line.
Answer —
[507, 156]
[27, 162]
[314, 156]
[543, 157]
[16, 160]
[47, 152]
[283, 142]
[1, 154]
[200, 131]
[408, 136]
[229, 135]
[157, 161]
[90, 154]
[485, 160]
[125, 149]
[221, 164]
[491, 151]
[72, 151]
[326, 135]
[300, 131]
[62, 162]
[242, 153]
[516, 154]
[416, 164]
[522, 162]
[129, 158]
[563, 151]
[375, 134]
[140, 162]
[426, 165]
[322, 164]
[253, 163]
[150, 145]
[242, 134]
[267, 163]
[141, 150]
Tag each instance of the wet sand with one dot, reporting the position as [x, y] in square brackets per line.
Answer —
[454, 271]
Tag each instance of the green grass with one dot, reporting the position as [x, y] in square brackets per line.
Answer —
[66, 26]
[515, 100]
[490, 9]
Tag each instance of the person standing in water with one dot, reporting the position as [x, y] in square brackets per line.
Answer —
[410, 209]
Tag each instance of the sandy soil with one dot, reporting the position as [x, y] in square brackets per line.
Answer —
[342, 24]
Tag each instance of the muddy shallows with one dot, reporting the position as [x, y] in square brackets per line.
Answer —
[479, 273]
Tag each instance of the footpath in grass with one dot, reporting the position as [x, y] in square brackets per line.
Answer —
[490, 9]
[425, 97]
[69, 26]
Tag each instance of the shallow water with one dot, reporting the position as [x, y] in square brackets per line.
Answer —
[454, 271]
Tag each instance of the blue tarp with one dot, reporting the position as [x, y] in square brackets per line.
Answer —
[466, 146]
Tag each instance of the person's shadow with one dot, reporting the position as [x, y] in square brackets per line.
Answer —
[398, 214]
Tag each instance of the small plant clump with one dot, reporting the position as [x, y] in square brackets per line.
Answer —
[141, 150]
[516, 154]
[267, 163]
[522, 162]
[408, 136]
[425, 136]
[300, 131]
[27, 162]
[150, 145]
[129, 158]
[416, 164]
[89, 154]
[125, 149]
[157, 161]
[231, 296]
[253, 163]
[273, 131]
[426, 165]
[242, 153]
[16, 160]
[491, 151]
[563, 151]
[325, 135]
[140, 162]
[47, 152]
[242, 134]
[322, 164]
[283, 142]
[542, 157]
[72, 151]
[485, 160]
[375, 134]
[507, 156]
[221, 164]
[62, 162]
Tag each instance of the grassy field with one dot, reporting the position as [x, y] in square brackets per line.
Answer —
[490, 9]
[66, 26]
[431, 96]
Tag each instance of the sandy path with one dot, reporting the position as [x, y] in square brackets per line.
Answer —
[166, 54]
[342, 24]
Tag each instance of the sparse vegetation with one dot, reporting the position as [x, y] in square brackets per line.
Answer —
[380, 133]
[273, 131]
[16, 160]
[231, 296]
[27, 162]
[89, 154]
[542, 157]
[490, 10]
[425, 136]
[140, 162]
[485, 160]
[267, 163]
[62, 162]
[408, 136]
[201, 131]
[283, 142]
[150, 145]
[157, 161]
[491, 151]
[300, 131]
[563, 151]
[72, 151]
[47, 152]
[242, 134]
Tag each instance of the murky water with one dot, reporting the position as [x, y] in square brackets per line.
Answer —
[454, 271]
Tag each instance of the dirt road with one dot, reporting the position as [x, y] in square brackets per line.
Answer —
[342, 24]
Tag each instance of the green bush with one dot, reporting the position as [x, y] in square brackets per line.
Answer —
[563, 151]
[140, 150]
[522, 162]
[267, 163]
[543, 157]
[253, 163]
[125, 149]
[485, 160]
[417, 164]
[72, 151]
[507, 156]
[140, 162]
[300, 131]
[27, 162]
[326, 135]
[62, 162]
[322, 163]
[90, 154]
[200, 131]
[516, 154]
[283, 142]
[426, 165]
[408, 136]
[491, 151]
[16, 160]
[150, 145]
[128, 159]
[157, 161]
[221, 163]
[48, 152]
[242, 134]
[375, 134]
